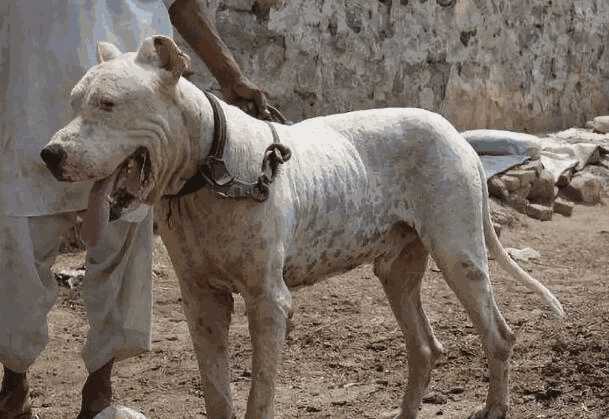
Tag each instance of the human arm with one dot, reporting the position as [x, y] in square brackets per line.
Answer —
[190, 20]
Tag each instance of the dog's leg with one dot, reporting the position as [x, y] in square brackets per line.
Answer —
[268, 309]
[468, 276]
[401, 279]
[208, 311]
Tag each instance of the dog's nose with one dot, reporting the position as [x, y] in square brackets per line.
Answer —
[53, 156]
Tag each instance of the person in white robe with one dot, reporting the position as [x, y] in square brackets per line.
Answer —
[45, 48]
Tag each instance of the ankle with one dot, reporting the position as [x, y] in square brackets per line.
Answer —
[14, 395]
[97, 391]
[14, 381]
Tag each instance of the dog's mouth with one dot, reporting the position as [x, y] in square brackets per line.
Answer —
[132, 184]
[119, 194]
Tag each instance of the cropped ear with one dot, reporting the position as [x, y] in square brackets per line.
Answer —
[164, 53]
[106, 52]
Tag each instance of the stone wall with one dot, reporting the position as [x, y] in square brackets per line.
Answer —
[534, 65]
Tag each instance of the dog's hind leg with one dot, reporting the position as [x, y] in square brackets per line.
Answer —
[208, 311]
[464, 264]
[401, 279]
[449, 212]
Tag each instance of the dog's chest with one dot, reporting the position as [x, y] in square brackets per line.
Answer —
[224, 240]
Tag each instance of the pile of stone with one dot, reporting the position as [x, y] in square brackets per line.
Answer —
[540, 176]
[530, 190]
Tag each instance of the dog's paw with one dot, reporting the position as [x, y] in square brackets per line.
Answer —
[495, 412]
[396, 414]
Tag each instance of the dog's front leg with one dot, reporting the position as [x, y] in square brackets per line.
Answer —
[208, 311]
[268, 307]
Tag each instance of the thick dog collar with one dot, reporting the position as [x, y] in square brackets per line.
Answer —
[214, 174]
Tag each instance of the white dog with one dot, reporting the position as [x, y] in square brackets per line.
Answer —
[388, 186]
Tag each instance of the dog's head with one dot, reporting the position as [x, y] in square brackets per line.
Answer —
[126, 125]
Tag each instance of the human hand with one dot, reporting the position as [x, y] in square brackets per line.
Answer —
[249, 97]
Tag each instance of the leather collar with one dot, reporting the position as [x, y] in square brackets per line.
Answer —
[214, 175]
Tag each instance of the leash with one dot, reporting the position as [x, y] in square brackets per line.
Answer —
[278, 116]
[214, 175]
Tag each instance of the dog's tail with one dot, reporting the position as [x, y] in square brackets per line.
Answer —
[504, 259]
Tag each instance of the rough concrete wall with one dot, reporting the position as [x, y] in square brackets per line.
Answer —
[533, 65]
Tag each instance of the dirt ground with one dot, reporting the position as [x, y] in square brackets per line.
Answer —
[346, 357]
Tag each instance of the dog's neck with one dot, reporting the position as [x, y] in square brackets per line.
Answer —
[247, 137]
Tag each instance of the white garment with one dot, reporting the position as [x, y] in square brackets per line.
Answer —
[117, 290]
[45, 48]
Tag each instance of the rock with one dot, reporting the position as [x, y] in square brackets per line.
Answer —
[547, 394]
[523, 255]
[518, 197]
[600, 124]
[525, 176]
[601, 171]
[119, 412]
[511, 183]
[501, 215]
[316, 57]
[518, 203]
[388, 415]
[434, 398]
[563, 207]
[535, 165]
[456, 390]
[542, 189]
[313, 409]
[581, 135]
[584, 187]
[565, 178]
[539, 212]
[497, 188]
[267, 4]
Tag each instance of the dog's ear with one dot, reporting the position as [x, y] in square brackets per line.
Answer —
[164, 53]
[106, 52]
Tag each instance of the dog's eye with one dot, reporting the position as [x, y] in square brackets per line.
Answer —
[106, 105]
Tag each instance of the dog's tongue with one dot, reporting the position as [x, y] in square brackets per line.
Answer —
[98, 211]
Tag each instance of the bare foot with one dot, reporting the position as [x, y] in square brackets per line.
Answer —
[97, 392]
[15, 396]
